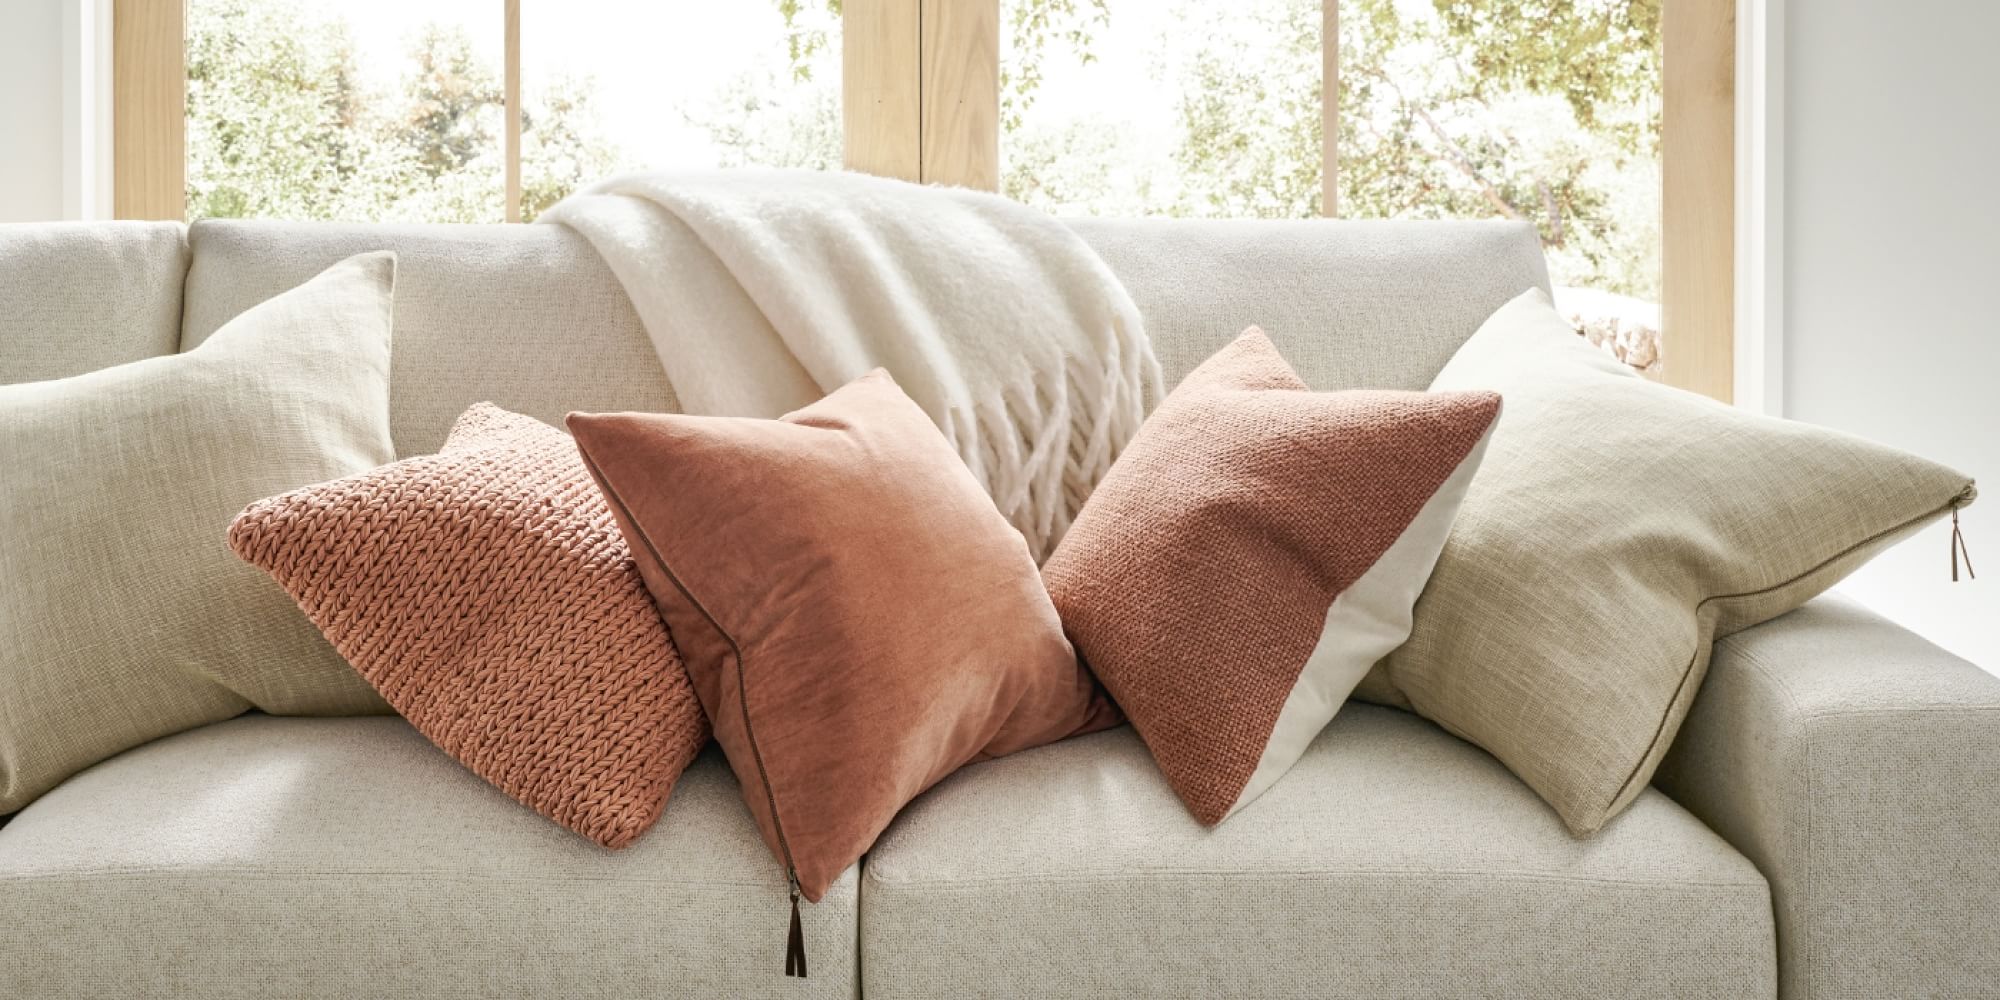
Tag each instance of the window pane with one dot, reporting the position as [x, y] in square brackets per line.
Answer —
[1516, 109]
[1161, 107]
[617, 85]
[366, 110]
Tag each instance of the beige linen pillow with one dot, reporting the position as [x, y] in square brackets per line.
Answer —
[125, 615]
[1615, 529]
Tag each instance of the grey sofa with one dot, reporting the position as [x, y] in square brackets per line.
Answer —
[1828, 824]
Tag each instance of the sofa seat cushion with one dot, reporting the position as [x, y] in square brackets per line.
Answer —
[1392, 861]
[265, 857]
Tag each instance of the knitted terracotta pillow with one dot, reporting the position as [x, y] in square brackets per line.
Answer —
[487, 594]
[1253, 552]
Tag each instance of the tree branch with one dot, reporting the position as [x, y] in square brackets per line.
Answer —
[1554, 211]
[1453, 151]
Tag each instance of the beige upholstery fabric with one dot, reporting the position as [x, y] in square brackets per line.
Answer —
[530, 318]
[1856, 764]
[527, 317]
[341, 858]
[265, 857]
[1394, 861]
[76, 297]
[126, 616]
[1351, 305]
[1616, 527]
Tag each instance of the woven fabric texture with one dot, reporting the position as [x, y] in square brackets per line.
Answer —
[1571, 616]
[81, 296]
[486, 593]
[339, 859]
[1254, 551]
[123, 615]
[1395, 862]
[1854, 762]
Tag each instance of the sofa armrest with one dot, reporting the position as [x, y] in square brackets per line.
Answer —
[1858, 766]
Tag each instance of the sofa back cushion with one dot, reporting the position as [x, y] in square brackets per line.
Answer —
[82, 296]
[530, 318]
[1350, 305]
[527, 317]
[123, 615]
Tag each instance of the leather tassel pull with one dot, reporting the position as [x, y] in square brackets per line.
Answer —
[795, 944]
[1958, 548]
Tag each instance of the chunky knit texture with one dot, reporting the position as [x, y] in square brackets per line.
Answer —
[486, 592]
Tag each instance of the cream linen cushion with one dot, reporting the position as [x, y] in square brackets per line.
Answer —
[125, 615]
[1615, 530]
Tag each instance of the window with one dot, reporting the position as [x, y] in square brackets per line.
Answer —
[1162, 107]
[750, 87]
[377, 110]
[1463, 109]
[1537, 112]
[396, 110]
[1608, 124]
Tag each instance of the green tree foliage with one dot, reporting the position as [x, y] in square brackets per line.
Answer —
[1250, 123]
[1602, 56]
[562, 148]
[272, 106]
[1031, 26]
[448, 104]
[785, 112]
[805, 40]
[1539, 110]
[752, 128]
[281, 126]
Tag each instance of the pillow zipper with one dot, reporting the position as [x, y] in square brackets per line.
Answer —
[1958, 548]
[795, 943]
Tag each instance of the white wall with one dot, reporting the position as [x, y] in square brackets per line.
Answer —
[31, 109]
[1891, 267]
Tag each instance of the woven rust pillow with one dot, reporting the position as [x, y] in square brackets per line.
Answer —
[487, 594]
[1253, 552]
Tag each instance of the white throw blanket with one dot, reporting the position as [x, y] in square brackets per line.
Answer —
[765, 289]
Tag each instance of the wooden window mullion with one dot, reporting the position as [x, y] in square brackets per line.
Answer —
[881, 82]
[149, 109]
[961, 92]
[1329, 109]
[1698, 196]
[510, 58]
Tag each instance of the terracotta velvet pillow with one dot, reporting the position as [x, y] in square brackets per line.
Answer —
[858, 619]
[486, 593]
[1253, 552]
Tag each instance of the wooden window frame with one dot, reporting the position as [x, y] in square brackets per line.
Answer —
[920, 90]
[149, 109]
[921, 101]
